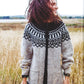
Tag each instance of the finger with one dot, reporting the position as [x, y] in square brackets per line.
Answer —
[64, 82]
[21, 82]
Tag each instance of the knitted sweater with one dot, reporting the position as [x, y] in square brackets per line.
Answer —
[33, 49]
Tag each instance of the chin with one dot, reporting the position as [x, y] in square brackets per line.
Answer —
[55, 13]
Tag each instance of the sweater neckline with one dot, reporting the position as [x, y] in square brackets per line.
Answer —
[44, 30]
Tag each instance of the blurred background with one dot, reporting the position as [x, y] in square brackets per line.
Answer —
[12, 24]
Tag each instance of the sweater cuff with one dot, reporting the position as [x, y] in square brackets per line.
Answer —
[25, 71]
[24, 76]
[67, 74]
[68, 70]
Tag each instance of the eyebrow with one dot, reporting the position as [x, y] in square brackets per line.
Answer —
[53, 3]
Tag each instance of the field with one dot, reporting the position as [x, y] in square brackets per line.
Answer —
[10, 40]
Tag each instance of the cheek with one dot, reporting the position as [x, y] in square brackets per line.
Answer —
[54, 8]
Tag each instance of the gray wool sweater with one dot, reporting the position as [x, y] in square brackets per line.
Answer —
[33, 49]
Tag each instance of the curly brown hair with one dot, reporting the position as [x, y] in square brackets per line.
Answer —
[41, 12]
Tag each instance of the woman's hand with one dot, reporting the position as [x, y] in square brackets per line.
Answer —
[67, 80]
[24, 81]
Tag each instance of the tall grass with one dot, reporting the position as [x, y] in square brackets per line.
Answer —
[10, 72]
[77, 75]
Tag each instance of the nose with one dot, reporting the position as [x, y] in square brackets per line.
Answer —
[56, 7]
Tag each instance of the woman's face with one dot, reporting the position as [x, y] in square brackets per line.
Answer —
[53, 5]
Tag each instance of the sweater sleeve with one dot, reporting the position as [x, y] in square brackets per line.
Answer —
[67, 51]
[26, 54]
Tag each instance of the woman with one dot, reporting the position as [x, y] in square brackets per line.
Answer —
[46, 41]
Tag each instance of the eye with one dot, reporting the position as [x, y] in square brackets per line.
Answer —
[53, 4]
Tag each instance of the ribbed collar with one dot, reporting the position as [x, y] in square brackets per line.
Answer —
[47, 26]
